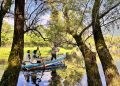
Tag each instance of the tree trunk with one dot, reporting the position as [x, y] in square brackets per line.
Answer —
[3, 11]
[1, 20]
[10, 76]
[109, 68]
[93, 76]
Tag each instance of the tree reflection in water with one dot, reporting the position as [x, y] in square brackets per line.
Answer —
[55, 79]
[3, 65]
[74, 72]
[70, 76]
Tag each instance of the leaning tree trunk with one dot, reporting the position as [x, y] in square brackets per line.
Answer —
[10, 76]
[109, 68]
[3, 11]
[93, 76]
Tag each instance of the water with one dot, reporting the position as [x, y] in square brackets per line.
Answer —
[72, 76]
[44, 80]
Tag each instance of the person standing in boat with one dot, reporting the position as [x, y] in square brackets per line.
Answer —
[54, 51]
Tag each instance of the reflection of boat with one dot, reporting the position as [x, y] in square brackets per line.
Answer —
[47, 64]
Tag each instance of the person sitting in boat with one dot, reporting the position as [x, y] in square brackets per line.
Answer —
[28, 57]
[38, 51]
[36, 58]
[54, 51]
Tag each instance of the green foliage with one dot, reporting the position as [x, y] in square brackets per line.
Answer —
[7, 34]
[56, 30]
[33, 40]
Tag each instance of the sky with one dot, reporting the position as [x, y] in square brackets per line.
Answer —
[46, 17]
[43, 21]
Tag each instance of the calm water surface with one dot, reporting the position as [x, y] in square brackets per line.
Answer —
[65, 77]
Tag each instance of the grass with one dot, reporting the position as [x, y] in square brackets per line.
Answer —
[4, 52]
[45, 51]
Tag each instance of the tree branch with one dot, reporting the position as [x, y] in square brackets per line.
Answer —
[88, 37]
[101, 16]
[84, 11]
[40, 34]
[110, 22]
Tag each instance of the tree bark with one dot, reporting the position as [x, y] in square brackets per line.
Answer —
[93, 76]
[109, 68]
[10, 76]
[3, 11]
[1, 20]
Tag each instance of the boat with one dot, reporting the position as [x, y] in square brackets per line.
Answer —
[46, 64]
[48, 67]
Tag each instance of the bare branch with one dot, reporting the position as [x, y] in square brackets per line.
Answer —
[30, 29]
[101, 16]
[35, 10]
[110, 22]
[88, 37]
[84, 11]
[40, 34]
[28, 6]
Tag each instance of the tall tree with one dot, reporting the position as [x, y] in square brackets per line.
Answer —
[72, 26]
[109, 68]
[93, 76]
[10, 76]
[5, 6]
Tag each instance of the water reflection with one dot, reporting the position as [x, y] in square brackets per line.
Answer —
[2, 67]
[72, 76]
[27, 76]
[60, 76]
[33, 77]
[48, 77]
[55, 79]
[2, 61]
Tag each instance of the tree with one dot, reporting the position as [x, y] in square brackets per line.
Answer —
[4, 7]
[93, 76]
[34, 9]
[72, 26]
[11, 74]
[109, 68]
[55, 32]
